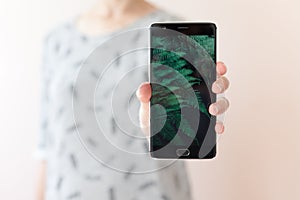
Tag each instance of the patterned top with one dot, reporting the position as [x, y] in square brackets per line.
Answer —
[89, 125]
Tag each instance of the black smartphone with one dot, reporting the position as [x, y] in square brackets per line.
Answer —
[181, 72]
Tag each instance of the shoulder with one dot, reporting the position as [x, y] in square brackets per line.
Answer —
[58, 36]
[58, 40]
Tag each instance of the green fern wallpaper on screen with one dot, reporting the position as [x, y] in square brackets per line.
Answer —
[168, 67]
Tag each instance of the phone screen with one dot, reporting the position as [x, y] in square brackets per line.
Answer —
[182, 70]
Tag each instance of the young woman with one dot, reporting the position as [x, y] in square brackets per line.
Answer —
[67, 171]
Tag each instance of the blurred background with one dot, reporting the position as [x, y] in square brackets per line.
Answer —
[259, 40]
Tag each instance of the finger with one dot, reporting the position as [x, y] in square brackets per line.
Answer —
[143, 93]
[220, 85]
[219, 128]
[219, 107]
[144, 117]
[221, 68]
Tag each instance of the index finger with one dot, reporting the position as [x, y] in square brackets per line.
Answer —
[221, 68]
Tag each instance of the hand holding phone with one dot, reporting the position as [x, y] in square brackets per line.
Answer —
[143, 93]
[162, 143]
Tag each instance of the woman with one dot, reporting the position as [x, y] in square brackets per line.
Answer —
[67, 170]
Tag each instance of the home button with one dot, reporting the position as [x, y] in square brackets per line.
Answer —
[183, 152]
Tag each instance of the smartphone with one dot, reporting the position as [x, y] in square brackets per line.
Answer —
[181, 72]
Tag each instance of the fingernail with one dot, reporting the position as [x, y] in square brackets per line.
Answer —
[216, 88]
[214, 110]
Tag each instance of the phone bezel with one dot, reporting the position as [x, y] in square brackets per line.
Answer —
[187, 28]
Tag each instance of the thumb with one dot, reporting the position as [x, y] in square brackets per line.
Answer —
[144, 92]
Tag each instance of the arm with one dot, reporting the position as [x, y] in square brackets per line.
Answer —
[45, 75]
[41, 181]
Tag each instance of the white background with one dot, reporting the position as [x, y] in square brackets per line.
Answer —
[259, 40]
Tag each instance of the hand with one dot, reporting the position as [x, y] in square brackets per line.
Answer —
[219, 86]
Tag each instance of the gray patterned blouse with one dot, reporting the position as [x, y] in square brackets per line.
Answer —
[89, 135]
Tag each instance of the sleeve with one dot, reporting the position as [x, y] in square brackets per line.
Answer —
[44, 128]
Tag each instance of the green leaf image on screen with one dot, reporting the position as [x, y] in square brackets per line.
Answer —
[168, 69]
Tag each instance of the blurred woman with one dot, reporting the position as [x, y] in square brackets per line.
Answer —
[67, 171]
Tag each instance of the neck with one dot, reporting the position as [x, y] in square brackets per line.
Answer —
[110, 15]
[115, 8]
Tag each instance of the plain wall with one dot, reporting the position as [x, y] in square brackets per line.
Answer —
[259, 155]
